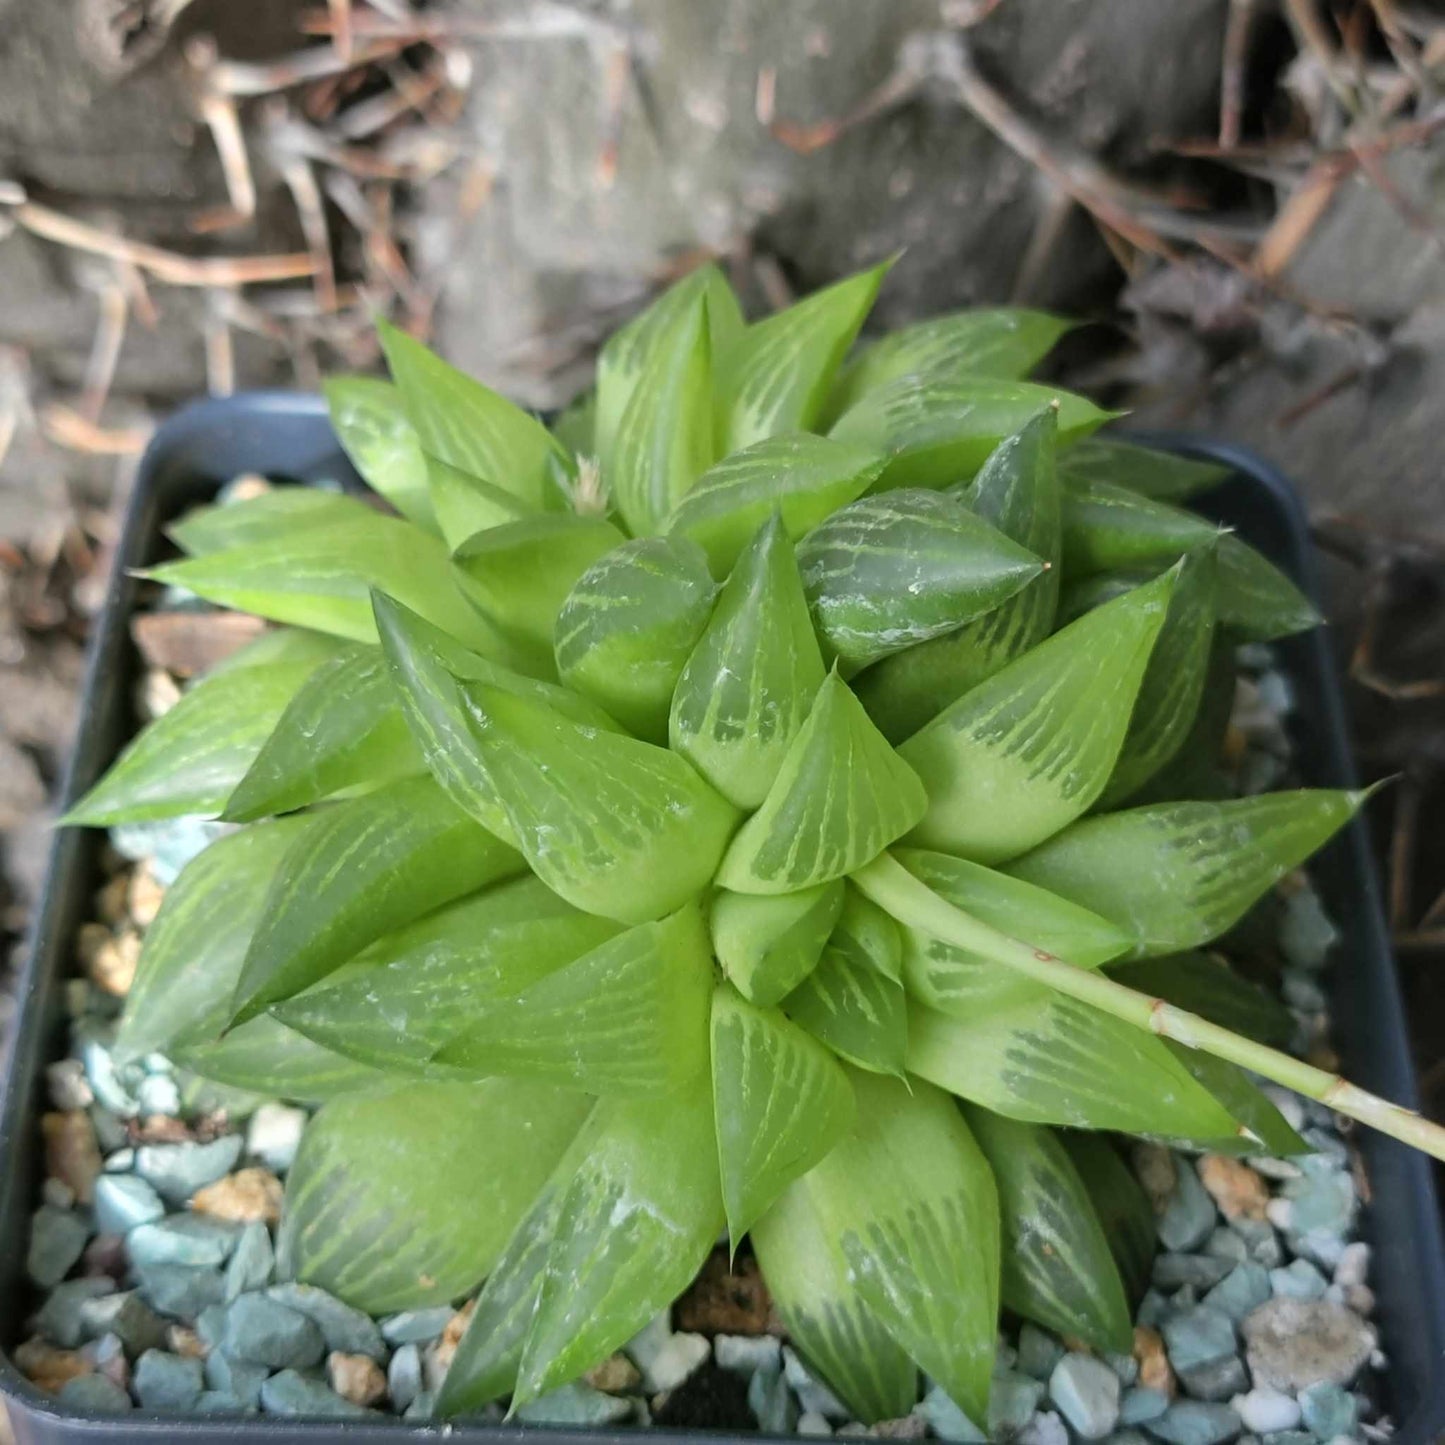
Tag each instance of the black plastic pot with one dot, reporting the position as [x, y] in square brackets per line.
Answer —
[287, 436]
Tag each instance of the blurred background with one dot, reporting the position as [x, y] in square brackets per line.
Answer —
[1245, 199]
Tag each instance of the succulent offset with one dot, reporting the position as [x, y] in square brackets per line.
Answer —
[744, 807]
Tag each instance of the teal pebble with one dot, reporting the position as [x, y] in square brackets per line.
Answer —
[1198, 1337]
[189, 1239]
[1039, 1352]
[163, 1381]
[1141, 1404]
[260, 1331]
[61, 1319]
[252, 1262]
[1193, 1422]
[344, 1328]
[1329, 1410]
[180, 1290]
[771, 1402]
[1241, 1291]
[95, 1392]
[57, 1240]
[234, 1377]
[575, 1404]
[291, 1393]
[415, 1327]
[123, 1201]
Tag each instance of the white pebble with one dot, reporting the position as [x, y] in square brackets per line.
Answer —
[810, 1422]
[1264, 1410]
[274, 1135]
[1287, 1102]
[1354, 1264]
[1280, 1213]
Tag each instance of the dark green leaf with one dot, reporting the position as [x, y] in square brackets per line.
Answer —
[387, 1212]
[1165, 476]
[769, 943]
[1260, 1127]
[1205, 984]
[1256, 599]
[1110, 528]
[1121, 1205]
[371, 423]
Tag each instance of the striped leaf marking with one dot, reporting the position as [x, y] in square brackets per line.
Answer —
[1057, 1267]
[1122, 1207]
[888, 572]
[1025, 753]
[386, 1211]
[1017, 492]
[467, 425]
[745, 691]
[780, 1103]
[628, 1017]
[778, 373]
[343, 729]
[412, 991]
[370, 421]
[266, 1058]
[768, 943]
[628, 626]
[1176, 875]
[841, 796]
[804, 478]
[937, 433]
[637, 1218]
[616, 826]
[1109, 528]
[1006, 341]
[369, 865]
[270, 517]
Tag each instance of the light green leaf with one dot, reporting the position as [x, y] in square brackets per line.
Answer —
[665, 439]
[936, 433]
[780, 1103]
[853, 1000]
[467, 425]
[955, 981]
[280, 644]
[909, 1196]
[768, 943]
[802, 477]
[271, 517]
[1165, 476]
[818, 1299]
[1025, 753]
[1256, 599]
[276, 1062]
[321, 577]
[1007, 342]
[1120, 1204]
[343, 729]
[1176, 875]
[616, 826]
[371, 423]
[636, 1221]
[1048, 1059]
[778, 374]
[841, 796]
[190, 758]
[575, 426]
[385, 1211]
[1168, 700]
[1057, 1267]
[748, 685]
[629, 352]
[427, 668]
[1109, 528]
[890, 571]
[369, 865]
[628, 626]
[413, 991]
[465, 505]
[518, 575]
[1017, 492]
[630, 1017]
[1205, 984]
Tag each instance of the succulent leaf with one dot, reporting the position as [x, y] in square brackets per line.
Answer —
[1259, 1125]
[465, 505]
[1206, 985]
[273, 1061]
[343, 729]
[467, 425]
[665, 439]
[1176, 875]
[1057, 1267]
[371, 423]
[745, 691]
[1007, 341]
[1017, 492]
[386, 1212]
[628, 626]
[1120, 1204]
[1256, 600]
[628, 1017]
[802, 477]
[890, 571]
[1029, 750]
[778, 373]
[617, 826]
[937, 433]
[636, 1220]
[1164, 476]
[367, 866]
[781, 1101]
[841, 796]
[769, 943]
[190, 758]
[269, 517]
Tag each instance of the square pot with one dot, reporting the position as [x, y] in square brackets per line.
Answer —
[288, 436]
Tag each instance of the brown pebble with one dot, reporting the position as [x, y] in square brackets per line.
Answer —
[908, 1427]
[724, 1301]
[245, 1196]
[158, 1129]
[49, 1368]
[445, 1348]
[1156, 1172]
[188, 644]
[357, 1378]
[113, 968]
[186, 1342]
[110, 901]
[1155, 1372]
[614, 1375]
[71, 1153]
[144, 896]
[1237, 1189]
